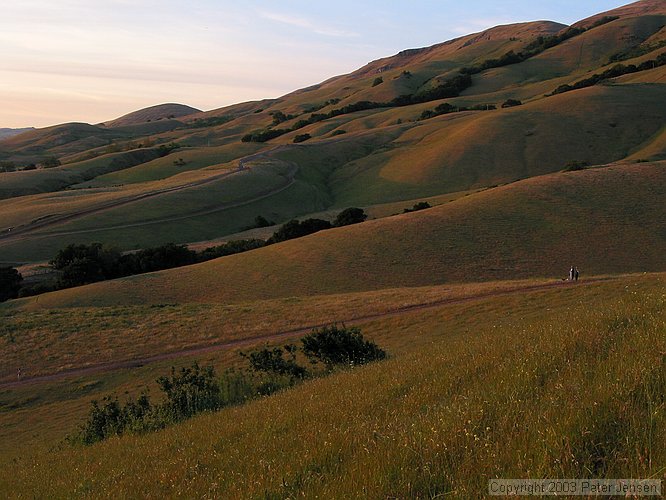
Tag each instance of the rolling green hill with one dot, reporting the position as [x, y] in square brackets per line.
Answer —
[376, 153]
[604, 220]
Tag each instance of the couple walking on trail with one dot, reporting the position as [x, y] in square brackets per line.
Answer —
[573, 273]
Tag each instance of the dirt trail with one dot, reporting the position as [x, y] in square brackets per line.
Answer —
[24, 231]
[205, 349]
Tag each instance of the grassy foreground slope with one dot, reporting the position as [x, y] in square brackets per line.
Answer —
[604, 220]
[572, 389]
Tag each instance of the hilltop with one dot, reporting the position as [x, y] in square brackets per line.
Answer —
[153, 113]
[6, 133]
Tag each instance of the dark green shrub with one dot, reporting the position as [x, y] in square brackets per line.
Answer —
[575, 165]
[261, 221]
[189, 391]
[338, 132]
[10, 283]
[295, 229]
[378, 81]
[230, 248]
[111, 419]
[165, 149]
[272, 361]
[7, 166]
[264, 135]
[510, 103]
[422, 205]
[349, 216]
[81, 264]
[302, 138]
[51, 162]
[340, 346]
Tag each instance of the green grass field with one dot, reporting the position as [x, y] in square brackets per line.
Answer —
[527, 385]
[530, 229]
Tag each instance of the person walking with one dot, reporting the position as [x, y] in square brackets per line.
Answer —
[576, 273]
[18, 374]
[572, 273]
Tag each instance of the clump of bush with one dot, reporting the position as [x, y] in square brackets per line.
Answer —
[302, 138]
[82, 264]
[165, 149]
[194, 390]
[510, 103]
[332, 346]
[576, 165]
[10, 283]
[614, 72]
[297, 229]
[422, 205]
[187, 392]
[352, 215]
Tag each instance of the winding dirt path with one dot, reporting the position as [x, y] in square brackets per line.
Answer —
[281, 335]
[24, 231]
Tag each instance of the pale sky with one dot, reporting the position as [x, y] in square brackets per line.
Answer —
[95, 60]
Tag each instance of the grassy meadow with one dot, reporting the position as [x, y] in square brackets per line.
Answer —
[560, 383]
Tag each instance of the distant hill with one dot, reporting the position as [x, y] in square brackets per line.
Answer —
[507, 103]
[153, 113]
[6, 133]
[604, 220]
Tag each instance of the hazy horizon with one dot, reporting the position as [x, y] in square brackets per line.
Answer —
[93, 61]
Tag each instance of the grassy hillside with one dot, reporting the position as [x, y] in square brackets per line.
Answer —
[383, 154]
[512, 391]
[366, 166]
[22, 183]
[604, 220]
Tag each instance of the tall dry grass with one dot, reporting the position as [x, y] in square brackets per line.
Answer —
[577, 392]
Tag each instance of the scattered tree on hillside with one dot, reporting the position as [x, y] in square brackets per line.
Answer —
[10, 283]
[295, 229]
[302, 138]
[378, 81]
[50, 162]
[349, 216]
[279, 117]
[273, 361]
[7, 166]
[333, 345]
[229, 248]
[165, 149]
[81, 264]
[422, 205]
[189, 391]
[261, 221]
[575, 165]
[509, 103]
